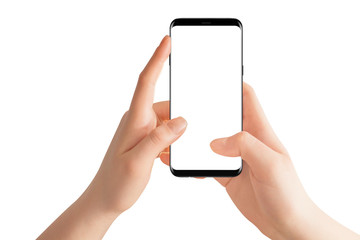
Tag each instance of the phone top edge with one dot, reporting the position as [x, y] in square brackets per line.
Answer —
[205, 22]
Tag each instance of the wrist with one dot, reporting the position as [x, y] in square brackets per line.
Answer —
[84, 219]
[93, 201]
[301, 223]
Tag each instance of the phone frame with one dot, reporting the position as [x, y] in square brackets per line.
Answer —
[207, 22]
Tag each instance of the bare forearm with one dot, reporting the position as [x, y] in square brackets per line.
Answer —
[84, 219]
[315, 224]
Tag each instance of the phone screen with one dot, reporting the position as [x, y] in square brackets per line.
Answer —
[205, 89]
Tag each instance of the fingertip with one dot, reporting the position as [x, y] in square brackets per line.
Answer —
[177, 125]
[164, 157]
[167, 37]
[165, 40]
[164, 47]
[144, 92]
[218, 145]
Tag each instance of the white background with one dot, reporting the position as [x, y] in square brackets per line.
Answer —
[67, 73]
[206, 90]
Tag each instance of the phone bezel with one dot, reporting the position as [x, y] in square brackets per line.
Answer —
[206, 22]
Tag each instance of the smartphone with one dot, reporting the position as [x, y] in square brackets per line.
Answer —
[206, 70]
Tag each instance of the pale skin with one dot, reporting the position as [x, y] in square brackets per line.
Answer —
[267, 192]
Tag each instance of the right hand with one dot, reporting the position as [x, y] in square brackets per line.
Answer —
[268, 192]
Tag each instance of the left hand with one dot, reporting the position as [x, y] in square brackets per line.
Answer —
[142, 134]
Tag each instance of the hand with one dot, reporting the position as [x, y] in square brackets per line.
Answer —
[268, 191]
[143, 132]
[267, 186]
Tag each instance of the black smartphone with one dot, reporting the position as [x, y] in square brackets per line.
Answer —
[206, 70]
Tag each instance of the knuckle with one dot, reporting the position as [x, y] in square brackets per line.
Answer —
[144, 76]
[168, 129]
[141, 75]
[242, 138]
[141, 123]
[155, 137]
[126, 114]
[123, 119]
[242, 142]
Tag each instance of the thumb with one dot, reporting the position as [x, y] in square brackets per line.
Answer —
[257, 155]
[160, 138]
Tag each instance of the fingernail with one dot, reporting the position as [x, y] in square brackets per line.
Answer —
[177, 125]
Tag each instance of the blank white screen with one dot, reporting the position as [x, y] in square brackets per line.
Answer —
[206, 69]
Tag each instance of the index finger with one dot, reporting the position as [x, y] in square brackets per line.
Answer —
[144, 92]
[256, 123]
